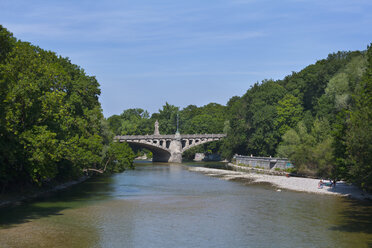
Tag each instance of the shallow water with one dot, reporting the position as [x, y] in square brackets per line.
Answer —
[162, 205]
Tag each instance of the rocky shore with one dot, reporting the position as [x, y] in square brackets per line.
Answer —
[309, 185]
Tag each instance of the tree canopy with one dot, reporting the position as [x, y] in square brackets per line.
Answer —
[51, 122]
[52, 127]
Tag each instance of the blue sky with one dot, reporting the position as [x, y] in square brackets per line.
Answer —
[145, 53]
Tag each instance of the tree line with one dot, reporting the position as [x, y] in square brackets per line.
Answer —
[51, 125]
[319, 118]
[52, 128]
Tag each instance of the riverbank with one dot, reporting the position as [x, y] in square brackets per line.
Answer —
[301, 184]
[18, 199]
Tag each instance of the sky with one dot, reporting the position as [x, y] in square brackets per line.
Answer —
[146, 53]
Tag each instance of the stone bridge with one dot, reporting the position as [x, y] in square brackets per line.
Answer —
[168, 148]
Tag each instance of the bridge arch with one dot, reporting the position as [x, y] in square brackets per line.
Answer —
[159, 154]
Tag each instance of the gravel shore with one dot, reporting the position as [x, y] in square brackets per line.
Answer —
[291, 183]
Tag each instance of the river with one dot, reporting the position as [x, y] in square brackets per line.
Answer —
[166, 205]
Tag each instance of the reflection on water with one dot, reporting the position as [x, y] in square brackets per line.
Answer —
[161, 205]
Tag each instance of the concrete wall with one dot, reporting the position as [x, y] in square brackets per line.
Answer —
[199, 157]
[263, 162]
[209, 157]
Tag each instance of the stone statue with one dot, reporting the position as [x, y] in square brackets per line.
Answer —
[156, 132]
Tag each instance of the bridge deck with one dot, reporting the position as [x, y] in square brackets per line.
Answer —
[169, 136]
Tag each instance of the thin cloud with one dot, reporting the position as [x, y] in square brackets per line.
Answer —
[152, 74]
[117, 34]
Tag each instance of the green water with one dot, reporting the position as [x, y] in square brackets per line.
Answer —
[161, 205]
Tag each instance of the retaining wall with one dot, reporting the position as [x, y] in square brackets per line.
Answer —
[263, 162]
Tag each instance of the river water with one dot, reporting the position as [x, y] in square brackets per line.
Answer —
[162, 205]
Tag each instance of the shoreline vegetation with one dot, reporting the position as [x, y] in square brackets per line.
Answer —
[52, 128]
[301, 184]
[319, 118]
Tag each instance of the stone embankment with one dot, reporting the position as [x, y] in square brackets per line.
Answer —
[235, 167]
[309, 185]
[268, 163]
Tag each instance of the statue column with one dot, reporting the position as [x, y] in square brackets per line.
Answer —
[156, 131]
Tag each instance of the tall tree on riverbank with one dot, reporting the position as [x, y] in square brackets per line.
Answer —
[359, 131]
[51, 119]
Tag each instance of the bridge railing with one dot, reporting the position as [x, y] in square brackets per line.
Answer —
[198, 136]
[168, 136]
[136, 137]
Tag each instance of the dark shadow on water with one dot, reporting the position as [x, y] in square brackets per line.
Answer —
[92, 190]
[11, 216]
[357, 217]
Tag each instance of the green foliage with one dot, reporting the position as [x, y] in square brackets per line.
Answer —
[310, 151]
[359, 131]
[309, 84]
[134, 121]
[7, 42]
[51, 123]
[289, 113]
[167, 118]
[119, 157]
[207, 119]
[287, 148]
[114, 123]
[319, 117]
[252, 119]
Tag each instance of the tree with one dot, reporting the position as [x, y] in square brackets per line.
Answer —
[7, 42]
[52, 127]
[114, 122]
[206, 119]
[289, 113]
[119, 157]
[359, 132]
[167, 118]
[310, 151]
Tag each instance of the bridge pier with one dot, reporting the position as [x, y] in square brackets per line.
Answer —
[176, 151]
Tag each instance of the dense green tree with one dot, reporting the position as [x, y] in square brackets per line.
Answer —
[289, 113]
[52, 125]
[50, 108]
[134, 122]
[114, 123]
[118, 157]
[359, 132]
[252, 119]
[311, 151]
[167, 118]
[309, 84]
[206, 119]
[7, 42]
